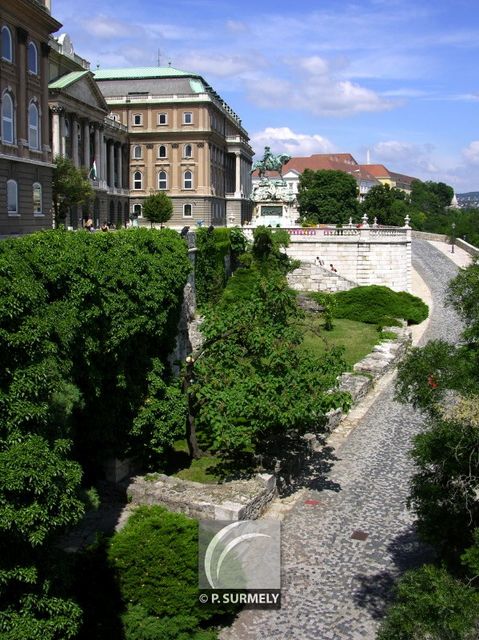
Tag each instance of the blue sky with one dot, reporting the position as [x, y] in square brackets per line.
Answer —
[397, 78]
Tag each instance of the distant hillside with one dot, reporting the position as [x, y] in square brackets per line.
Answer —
[470, 199]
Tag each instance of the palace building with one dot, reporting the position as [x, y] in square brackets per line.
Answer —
[184, 140]
[25, 151]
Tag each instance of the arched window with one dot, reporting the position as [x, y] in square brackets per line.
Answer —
[162, 151]
[187, 151]
[137, 152]
[32, 58]
[162, 181]
[7, 50]
[12, 198]
[187, 180]
[137, 180]
[187, 211]
[37, 198]
[33, 128]
[137, 210]
[8, 119]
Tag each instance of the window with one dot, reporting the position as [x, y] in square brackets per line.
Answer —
[12, 198]
[37, 199]
[137, 152]
[162, 118]
[8, 121]
[7, 51]
[32, 58]
[137, 119]
[162, 151]
[187, 117]
[137, 180]
[187, 151]
[137, 210]
[187, 180]
[187, 211]
[162, 181]
[33, 130]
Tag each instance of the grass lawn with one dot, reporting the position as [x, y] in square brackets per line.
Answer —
[202, 470]
[357, 338]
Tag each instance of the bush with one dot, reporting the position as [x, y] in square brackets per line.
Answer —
[155, 558]
[432, 605]
[378, 305]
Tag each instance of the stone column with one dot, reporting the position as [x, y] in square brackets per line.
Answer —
[238, 175]
[56, 132]
[74, 134]
[97, 156]
[86, 144]
[104, 152]
[120, 166]
[62, 134]
[111, 177]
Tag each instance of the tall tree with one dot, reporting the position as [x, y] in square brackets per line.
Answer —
[71, 187]
[327, 197]
[158, 208]
[386, 204]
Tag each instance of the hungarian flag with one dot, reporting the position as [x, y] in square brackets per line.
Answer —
[93, 174]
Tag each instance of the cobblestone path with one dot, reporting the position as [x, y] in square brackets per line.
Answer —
[335, 586]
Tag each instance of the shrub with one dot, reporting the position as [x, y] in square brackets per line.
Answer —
[155, 558]
[378, 305]
[432, 605]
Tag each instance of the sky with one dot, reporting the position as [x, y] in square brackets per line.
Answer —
[396, 78]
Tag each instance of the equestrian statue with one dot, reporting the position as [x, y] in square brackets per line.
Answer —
[271, 162]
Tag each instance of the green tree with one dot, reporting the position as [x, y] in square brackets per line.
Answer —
[155, 559]
[386, 204]
[258, 408]
[328, 197]
[432, 605]
[157, 208]
[441, 379]
[70, 187]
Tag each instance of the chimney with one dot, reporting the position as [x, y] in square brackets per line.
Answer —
[48, 5]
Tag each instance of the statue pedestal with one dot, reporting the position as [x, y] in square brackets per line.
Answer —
[273, 204]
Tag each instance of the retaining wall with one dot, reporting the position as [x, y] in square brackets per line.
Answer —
[239, 500]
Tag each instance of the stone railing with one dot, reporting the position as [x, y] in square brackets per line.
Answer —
[346, 233]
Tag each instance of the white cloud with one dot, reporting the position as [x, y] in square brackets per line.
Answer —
[314, 65]
[283, 139]
[107, 28]
[219, 64]
[471, 153]
[236, 26]
[406, 157]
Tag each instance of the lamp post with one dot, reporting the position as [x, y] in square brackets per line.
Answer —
[453, 239]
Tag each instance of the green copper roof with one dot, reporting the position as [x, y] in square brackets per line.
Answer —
[141, 72]
[66, 81]
[197, 86]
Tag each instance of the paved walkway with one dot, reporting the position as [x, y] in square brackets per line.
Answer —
[334, 585]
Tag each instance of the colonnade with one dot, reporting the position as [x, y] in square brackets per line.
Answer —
[90, 142]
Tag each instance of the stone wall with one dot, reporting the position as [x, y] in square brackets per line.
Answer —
[384, 357]
[366, 255]
[468, 248]
[424, 235]
[313, 277]
[239, 500]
